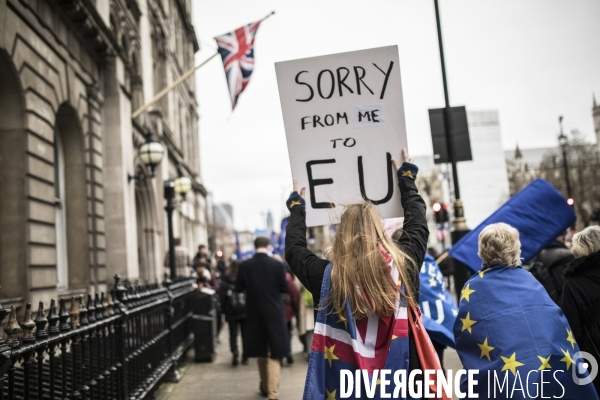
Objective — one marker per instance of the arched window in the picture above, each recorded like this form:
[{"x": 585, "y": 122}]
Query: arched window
[{"x": 60, "y": 212}]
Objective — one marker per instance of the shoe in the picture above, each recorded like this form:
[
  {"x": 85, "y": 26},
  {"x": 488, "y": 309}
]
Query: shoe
[
  {"x": 235, "y": 361},
  {"x": 290, "y": 360},
  {"x": 244, "y": 360},
  {"x": 263, "y": 392}
]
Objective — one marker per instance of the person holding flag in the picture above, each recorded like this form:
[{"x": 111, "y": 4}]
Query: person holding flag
[
  {"x": 439, "y": 308},
  {"x": 366, "y": 293},
  {"x": 509, "y": 329}
]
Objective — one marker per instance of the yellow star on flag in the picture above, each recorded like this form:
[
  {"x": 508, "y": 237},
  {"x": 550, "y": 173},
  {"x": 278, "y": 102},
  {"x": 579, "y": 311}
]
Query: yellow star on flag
[
  {"x": 567, "y": 358},
  {"x": 331, "y": 395},
  {"x": 545, "y": 363},
  {"x": 295, "y": 203},
  {"x": 481, "y": 272},
  {"x": 466, "y": 292},
  {"x": 485, "y": 349},
  {"x": 467, "y": 323},
  {"x": 409, "y": 174},
  {"x": 345, "y": 322},
  {"x": 570, "y": 338},
  {"x": 329, "y": 356},
  {"x": 432, "y": 282},
  {"x": 511, "y": 363}
]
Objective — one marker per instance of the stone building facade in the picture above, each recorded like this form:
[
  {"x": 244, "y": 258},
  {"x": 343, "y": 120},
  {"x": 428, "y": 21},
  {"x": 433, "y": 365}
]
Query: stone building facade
[{"x": 72, "y": 72}]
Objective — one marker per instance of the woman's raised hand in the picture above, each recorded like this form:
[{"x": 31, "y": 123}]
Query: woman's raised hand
[
  {"x": 405, "y": 158},
  {"x": 295, "y": 189}
]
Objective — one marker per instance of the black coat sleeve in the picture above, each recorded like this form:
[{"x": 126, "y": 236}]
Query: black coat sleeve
[
  {"x": 283, "y": 282},
  {"x": 415, "y": 231},
  {"x": 240, "y": 283},
  {"x": 573, "y": 305},
  {"x": 306, "y": 265}
]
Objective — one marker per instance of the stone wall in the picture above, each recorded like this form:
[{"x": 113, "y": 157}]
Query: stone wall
[{"x": 57, "y": 80}]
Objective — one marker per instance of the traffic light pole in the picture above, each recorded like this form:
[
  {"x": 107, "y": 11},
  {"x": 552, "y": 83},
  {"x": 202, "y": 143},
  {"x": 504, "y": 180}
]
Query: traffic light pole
[
  {"x": 459, "y": 214},
  {"x": 461, "y": 274}
]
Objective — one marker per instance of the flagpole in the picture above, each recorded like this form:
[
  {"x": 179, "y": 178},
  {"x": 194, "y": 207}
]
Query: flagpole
[
  {"x": 183, "y": 77},
  {"x": 166, "y": 90},
  {"x": 272, "y": 12}
]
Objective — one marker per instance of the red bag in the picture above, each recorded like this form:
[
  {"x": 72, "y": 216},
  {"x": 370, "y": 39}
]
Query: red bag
[{"x": 428, "y": 357}]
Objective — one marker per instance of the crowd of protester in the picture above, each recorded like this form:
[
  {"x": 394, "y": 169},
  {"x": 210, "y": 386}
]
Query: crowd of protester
[{"x": 266, "y": 302}]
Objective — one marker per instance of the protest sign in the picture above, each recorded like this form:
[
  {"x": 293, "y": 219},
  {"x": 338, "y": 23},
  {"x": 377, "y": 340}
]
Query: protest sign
[{"x": 344, "y": 122}]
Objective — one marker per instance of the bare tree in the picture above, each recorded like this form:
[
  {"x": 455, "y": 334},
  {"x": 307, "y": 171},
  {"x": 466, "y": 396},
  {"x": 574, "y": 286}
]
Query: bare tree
[{"x": 583, "y": 161}]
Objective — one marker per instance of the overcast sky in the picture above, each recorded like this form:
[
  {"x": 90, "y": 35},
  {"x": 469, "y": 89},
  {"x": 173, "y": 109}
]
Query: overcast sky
[{"x": 532, "y": 60}]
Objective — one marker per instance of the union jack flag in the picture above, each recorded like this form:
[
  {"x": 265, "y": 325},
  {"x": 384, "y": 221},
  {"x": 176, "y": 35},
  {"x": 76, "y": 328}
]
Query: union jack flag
[
  {"x": 237, "y": 52},
  {"x": 368, "y": 344}
]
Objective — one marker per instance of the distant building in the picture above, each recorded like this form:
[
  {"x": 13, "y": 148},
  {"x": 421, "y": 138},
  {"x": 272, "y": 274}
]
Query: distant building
[
  {"x": 523, "y": 166},
  {"x": 71, "y": 75},
  {"x": 221, "y": 231}
]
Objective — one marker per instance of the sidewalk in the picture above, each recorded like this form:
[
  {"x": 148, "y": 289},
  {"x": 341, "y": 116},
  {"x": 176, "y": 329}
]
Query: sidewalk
[{"x": 220, "y": 380}]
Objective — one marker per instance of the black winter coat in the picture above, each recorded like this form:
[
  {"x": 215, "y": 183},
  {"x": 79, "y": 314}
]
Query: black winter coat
[
  {"x": 310, "y": 269},
  {"x": 263, "y": 279},
  {"x": 554, "y": 259},
  {"x": 581, "y": 304},
  {"x": 227, "y": 290}
]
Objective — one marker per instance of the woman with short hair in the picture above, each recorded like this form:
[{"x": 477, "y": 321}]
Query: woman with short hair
[
  {"x": 509, "y": 328},
  {"x": 581, "y": 292}
]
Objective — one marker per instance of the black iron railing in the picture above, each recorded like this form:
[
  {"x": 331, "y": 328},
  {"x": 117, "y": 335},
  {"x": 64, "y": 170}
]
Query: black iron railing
[{"x": 113, "y": 346}]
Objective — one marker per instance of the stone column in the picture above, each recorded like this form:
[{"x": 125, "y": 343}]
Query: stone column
[{"x": 119, "y": 197}]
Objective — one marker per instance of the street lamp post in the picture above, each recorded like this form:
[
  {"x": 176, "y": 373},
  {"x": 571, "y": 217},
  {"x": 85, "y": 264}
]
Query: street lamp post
[
  {"x": 181, "y": 186},
  {"x": 151, "y": 154},
  {"x": 563, "y": 141}
]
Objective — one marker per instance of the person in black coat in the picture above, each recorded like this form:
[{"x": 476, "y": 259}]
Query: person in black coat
[
  {"x": 581, "y": 293},
  {"x": 265, "y": 336},
  {"x": 413, "y": 242},
  {"x": 233, "y": 305},
  {"x": 550, "y": 265}
]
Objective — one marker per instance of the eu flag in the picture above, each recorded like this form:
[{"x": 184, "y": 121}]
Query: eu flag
[
  {"x": 539, "y": 212},
  {"x": 518, "y": 338},
  {"x": 439, "y": 309}
]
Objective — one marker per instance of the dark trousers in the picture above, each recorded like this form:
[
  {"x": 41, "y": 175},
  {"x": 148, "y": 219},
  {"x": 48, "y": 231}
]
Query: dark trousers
[{"x": 234, "y": 328}]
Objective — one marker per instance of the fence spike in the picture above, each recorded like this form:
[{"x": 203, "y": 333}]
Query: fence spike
[
  {"x": 83, "y": 312},
  {"x": 91, "y": 309},
  {"x": 28, "y": 325},
  {"x": 53, "y": 319},
  {"x": 98, "y": 307},
  {"x": 74, "y": 313},
  {"x": 63, "y": 316},
  {"x": 40, "y": 323},
  {"x": 104, "y": 306},
  {"x": 110, "y": 305},
  {"x": 12, "y": 329}
]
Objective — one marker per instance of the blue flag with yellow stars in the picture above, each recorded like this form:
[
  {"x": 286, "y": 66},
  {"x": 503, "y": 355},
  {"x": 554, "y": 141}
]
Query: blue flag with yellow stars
[
  {"x": 510, "y": 330},
  {"x": 439, "y": 309},
  {"x": 539, "y": 212}
]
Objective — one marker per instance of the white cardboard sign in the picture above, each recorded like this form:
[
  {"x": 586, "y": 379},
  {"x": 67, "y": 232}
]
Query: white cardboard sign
[{"x": 344, "y": 121}]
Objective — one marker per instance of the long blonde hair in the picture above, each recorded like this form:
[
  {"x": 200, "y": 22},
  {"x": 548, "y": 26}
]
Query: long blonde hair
[{"x": 360, "y": 272}]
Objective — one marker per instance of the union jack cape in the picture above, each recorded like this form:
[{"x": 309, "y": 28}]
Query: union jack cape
[
  {"x": 237, "y": 52},
  {"x": 368, "y": 344}
]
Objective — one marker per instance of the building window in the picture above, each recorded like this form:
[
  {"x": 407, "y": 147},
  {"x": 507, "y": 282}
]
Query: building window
[{"x": 60, "y": 210}]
